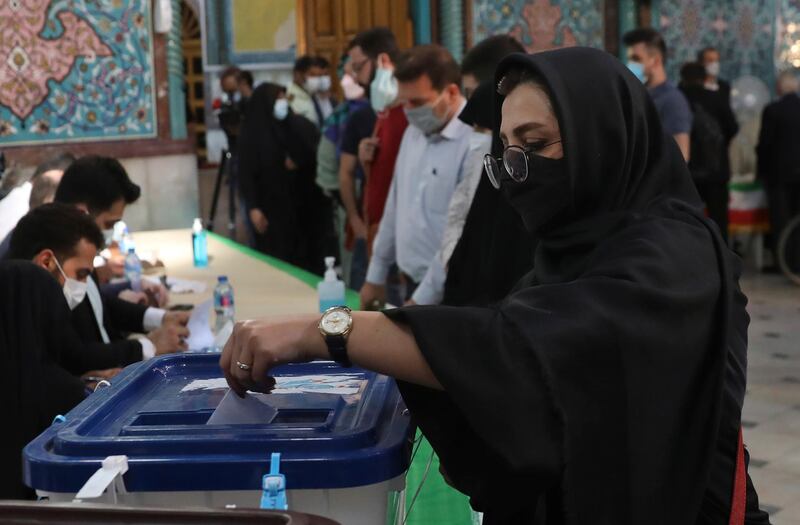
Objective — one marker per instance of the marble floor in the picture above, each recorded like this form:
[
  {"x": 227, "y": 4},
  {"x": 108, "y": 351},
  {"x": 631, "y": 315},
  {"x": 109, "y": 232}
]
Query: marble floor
[{"x": 771, "y": 417}]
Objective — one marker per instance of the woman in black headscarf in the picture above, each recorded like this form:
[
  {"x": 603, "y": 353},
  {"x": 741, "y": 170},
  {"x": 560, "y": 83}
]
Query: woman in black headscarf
[
  {"x": 277, "y": 168},
  {"x": 607, "y": 388},
  {"x": 33, "y": 387}
]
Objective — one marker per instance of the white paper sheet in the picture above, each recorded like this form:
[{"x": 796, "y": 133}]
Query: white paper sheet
[
  {"x": 337, "y": 384},
  {"x": 235, "y": 410},
  {"x": 181, "y": 286},
  {"x": 200, "y": 334}
]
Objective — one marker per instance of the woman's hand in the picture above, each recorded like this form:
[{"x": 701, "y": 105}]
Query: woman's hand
[
  {"x": 261, "y": 345},
  {"x": 259, "y": 220}
]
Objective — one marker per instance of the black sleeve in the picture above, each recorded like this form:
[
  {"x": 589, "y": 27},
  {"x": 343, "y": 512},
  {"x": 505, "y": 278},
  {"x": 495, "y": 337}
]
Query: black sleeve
[
  {"x": 67, "y": 390},
  {"x": 111, "y": 290},
  {"x": 729, "y": 124},
  {"x": 79, "y": 357},
  {"x": 248, "y": 160},
  {"x": 765, "y": 142},
  {"x": 358, "y": 127},
  {"x": 303, "y": 143},
  {"x": 122, "y": 316}
]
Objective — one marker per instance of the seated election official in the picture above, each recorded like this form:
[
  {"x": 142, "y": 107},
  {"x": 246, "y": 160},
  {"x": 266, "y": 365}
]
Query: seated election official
[
  {"x": 608, "y": 386},
  {"x": 34, "y": 388},
  {"x": 64, "y": 241}
]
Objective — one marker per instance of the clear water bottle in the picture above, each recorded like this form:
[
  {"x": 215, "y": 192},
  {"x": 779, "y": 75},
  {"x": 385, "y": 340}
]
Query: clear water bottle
[
  {"x": 199, "y": 244},
  {"x": 133, "y": 270},
  {"x": 223, "y": 302},
  {"x": 330, "y": 290}
]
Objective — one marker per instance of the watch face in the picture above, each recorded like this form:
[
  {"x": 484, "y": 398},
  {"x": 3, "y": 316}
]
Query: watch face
[{"x": 336, "y": 322}]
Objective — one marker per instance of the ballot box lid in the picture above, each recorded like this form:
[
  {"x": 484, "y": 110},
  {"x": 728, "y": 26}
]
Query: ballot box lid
[{"x": 156, "y": 413}]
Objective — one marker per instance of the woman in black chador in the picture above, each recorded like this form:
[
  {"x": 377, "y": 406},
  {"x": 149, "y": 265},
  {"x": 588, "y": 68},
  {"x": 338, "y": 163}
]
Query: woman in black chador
[
  {"x": 607, "y": 387},
  {"x": 277, "y": 170}
]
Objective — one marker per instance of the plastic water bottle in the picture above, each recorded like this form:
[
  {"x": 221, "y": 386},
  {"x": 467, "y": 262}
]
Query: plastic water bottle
[
  {"x": 199, "y": 244},
  {"x": 121, "y": 235},
  {"x": 223, "y": 302},
  {"x": 133, "y": 270},
  {"x": 331, "y": 289}
]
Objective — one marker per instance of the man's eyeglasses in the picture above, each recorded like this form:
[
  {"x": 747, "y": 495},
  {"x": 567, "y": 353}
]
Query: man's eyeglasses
[{"x": 512, "y": 165}]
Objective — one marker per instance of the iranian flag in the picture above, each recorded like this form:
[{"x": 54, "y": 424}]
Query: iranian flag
[{"x": 747, "y": 210}]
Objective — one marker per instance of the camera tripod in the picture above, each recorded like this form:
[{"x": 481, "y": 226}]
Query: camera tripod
[{"x": 222, "y": 172}]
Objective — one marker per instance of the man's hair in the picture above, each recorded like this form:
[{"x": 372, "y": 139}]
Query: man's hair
[
  {"x": 433, "y": 61},
  {"x": 321, "y": 62},
  {"x": 230, "y": 71},
  {"x": 43, "y": 188},
  {"x": 481, "y": 61},
  {"x": 246, "y": 77},
  {"x": 375, "y": 41},
  {"x": 303, "y": 64},
  {"x": 648, "y": 36},
  {"x": 701, "y": 55},
  {"x": 693, "y": 74},
  {"x": 98, "y": 182},
  {"x": 53, "y": 226}
]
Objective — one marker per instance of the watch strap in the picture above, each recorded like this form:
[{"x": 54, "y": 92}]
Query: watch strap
[{"x": 337, "y": 348}]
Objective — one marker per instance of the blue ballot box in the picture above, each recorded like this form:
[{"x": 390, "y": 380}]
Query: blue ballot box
[{"x": 343, "y": 436}]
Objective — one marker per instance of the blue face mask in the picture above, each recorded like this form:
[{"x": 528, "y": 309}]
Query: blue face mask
[
  {"x": 638, "y": 70},
  {"x": 383, "y": 89},
  {"x": 281, "y": 109}
]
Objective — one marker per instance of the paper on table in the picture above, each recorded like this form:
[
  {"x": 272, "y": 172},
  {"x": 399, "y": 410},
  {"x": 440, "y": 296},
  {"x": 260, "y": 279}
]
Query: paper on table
[
  {"x": 338, "y": 384},
  {"x": 200, "y": 335},
  {"x": 181, "y": 286},
  {"x": 235, "y": 410}
]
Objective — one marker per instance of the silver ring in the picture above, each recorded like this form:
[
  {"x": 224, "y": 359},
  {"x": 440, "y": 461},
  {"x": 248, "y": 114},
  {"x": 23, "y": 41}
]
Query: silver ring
[{"x": 243, "y": 366}]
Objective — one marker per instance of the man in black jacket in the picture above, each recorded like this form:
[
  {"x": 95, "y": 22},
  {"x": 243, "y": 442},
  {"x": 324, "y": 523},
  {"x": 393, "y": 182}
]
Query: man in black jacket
[
  {"x": 779, "y": 155},
  {"x": 100, "y": 186},
  {"x": 713, "y": 127},
  {"x": 709, "y": 58},
  {"x": 64, "y": 241}
]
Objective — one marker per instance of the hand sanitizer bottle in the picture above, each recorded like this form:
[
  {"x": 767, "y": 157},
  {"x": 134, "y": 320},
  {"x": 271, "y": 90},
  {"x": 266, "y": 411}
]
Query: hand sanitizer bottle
[
  {"x": 199, "y": 244},
  {"x": 331, "y": 289}
]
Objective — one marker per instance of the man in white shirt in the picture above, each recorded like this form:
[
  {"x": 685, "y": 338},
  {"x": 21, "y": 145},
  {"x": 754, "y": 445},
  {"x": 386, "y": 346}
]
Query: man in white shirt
[
  {"x": 308, "y": 93},
  {"x": 429, "y": 165}
]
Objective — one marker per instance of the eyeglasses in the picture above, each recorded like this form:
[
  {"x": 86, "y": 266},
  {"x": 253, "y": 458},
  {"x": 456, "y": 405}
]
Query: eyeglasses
[{"x": 514, "y": 164}]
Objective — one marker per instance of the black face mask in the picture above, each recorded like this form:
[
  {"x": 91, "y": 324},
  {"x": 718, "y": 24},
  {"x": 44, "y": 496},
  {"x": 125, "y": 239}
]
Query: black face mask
[{"x": 545, "y": 198}]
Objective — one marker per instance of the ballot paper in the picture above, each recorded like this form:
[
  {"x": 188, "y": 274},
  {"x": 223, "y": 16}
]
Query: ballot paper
[
  {"x": 248, "y": 410},
  {"x": 182, "y": 286},
  {"x": 336, "y": 384},
  {"x": 200, "y": 334}
]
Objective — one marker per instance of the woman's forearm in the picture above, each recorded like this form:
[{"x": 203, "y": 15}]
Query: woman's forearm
[{"x": 378, "y": 344}]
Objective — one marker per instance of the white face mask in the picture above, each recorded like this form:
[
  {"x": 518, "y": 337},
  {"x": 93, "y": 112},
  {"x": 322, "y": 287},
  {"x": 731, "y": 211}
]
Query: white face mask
[
  {"x": 324, "y": 83},
  {"x": 74, "y": 290},
  {"x": 352, "y": 90},
  {"x": 712, "y": 68},
  {"x": 281, "y": 108},
  {"x": 108, "y": 236},
  {"x": 383, "y": 89},
  {"x": 317, "y": 84}
]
